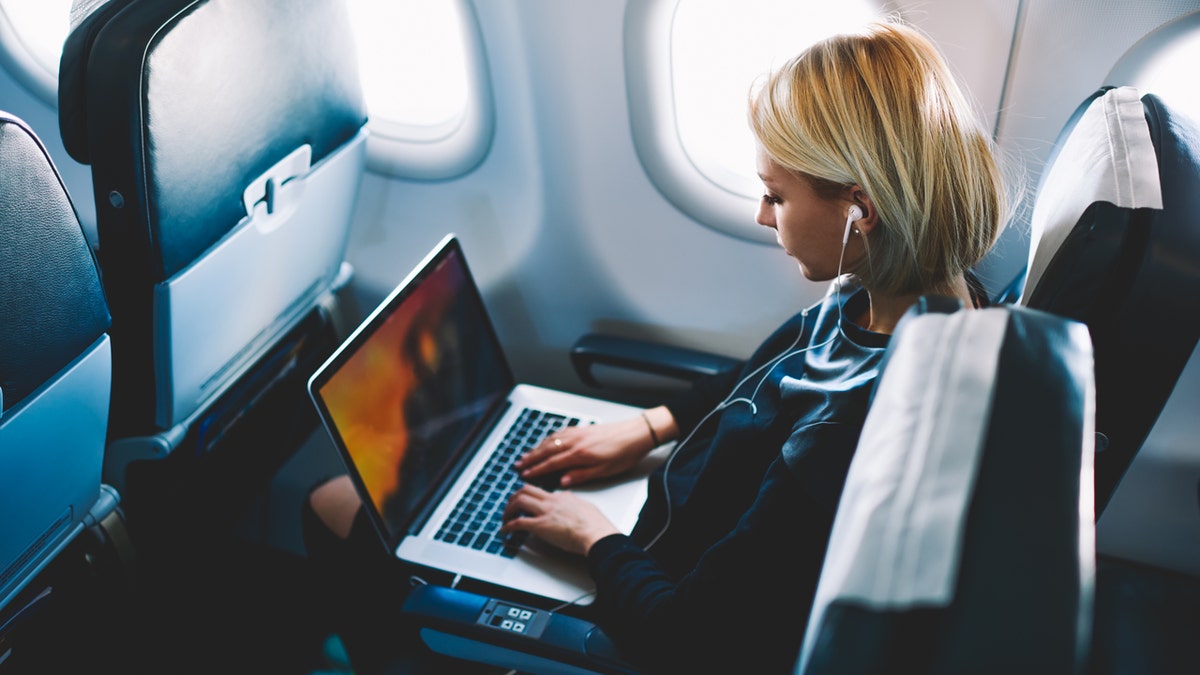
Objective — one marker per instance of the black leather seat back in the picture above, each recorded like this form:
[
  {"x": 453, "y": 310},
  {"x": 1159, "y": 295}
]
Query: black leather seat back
[{"x": 226, "y": 145}]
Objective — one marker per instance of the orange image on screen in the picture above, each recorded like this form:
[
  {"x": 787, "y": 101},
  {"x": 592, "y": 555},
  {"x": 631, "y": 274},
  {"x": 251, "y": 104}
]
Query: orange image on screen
[{"x": 371, "y": 393}]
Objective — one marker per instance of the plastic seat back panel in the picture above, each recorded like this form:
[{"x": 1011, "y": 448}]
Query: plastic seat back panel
[
  {"x": 261, "y": 279},
  {"x": 51, "y": 454}
]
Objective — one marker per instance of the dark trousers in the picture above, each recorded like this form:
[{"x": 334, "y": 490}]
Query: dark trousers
[{"x": 360, "y": 587}]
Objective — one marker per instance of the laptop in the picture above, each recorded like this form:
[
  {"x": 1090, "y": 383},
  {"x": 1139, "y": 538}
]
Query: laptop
[{"x": 423, "y": 408}]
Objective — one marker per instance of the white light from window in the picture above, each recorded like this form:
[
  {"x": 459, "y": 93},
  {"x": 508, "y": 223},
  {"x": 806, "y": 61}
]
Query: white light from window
[
  {"x": 718, "y": 50},
  {"x": 412, "y": 61},
  {"x": 42, "y": 27}
]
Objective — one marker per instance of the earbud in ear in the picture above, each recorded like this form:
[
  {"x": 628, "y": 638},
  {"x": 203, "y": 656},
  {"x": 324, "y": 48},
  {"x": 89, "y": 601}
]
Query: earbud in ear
[{"x": 855, "y": 213}]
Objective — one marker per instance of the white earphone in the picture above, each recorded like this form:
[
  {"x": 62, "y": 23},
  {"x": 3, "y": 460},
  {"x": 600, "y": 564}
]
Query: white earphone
[{"x": 855, "y": 213}]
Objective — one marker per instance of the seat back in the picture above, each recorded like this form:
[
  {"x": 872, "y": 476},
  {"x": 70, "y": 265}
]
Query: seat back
[
  {"x": 948, "y": 554},
  {"x": 55, "y": 366},
  {"x": 227, "y": 142},
  {"x": 1116, "y": 245}
]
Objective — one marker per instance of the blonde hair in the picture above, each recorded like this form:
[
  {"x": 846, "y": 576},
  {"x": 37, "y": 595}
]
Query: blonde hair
[{"x": 881, "y": 109}]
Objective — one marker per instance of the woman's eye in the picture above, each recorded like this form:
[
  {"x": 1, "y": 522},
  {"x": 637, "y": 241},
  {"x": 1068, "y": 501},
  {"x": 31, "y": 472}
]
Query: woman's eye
[{"x": 771, "y": 200}]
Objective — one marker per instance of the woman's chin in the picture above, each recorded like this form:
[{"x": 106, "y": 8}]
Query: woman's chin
[{"x": 814, "y": 275}]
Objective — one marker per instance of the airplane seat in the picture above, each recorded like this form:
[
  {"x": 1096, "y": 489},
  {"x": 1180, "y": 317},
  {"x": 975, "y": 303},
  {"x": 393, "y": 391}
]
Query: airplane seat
[
  {"x": 61, "y": 523},
  {"x": 1115, "y": 244},
  {"x": 1142, "y": 253},
  {"x": 1000, "y": 581},
  {"x": 947, "y": 553},
  {"x": 226, "y": 140}
]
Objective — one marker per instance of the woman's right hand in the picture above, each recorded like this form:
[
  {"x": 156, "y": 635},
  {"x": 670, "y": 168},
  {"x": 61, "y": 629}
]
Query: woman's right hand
[{"x": 591, "y": 452}]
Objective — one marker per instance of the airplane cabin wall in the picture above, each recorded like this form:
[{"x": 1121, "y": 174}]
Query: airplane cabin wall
[
  {"x": 564, "y": 229},
  {"x": 567, "y": 234},
  {"x": 560, "y": 223}
]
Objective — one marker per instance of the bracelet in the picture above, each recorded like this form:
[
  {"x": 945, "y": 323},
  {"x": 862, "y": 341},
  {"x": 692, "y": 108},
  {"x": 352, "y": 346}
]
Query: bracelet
[{"x": 653, "y": 436}]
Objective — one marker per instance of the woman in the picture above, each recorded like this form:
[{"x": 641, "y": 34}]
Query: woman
[{"x": 876, "y": 174}]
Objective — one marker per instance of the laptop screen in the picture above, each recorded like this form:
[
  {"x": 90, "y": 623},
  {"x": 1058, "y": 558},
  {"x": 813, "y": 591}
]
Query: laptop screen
[{"x": 406, "y": 392}]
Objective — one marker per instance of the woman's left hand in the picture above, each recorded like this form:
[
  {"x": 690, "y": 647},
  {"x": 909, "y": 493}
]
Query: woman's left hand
[{"x": 560, "y": 518}]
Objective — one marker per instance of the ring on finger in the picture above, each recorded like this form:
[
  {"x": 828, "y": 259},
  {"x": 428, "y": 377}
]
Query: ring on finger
[{"x": 558, "y": 443}]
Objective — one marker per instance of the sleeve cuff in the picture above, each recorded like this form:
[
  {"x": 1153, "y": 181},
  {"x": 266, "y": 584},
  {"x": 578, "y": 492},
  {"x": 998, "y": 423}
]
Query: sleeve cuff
[{"x": 604, "y": 549}]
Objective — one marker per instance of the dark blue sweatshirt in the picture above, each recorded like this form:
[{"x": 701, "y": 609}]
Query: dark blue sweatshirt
[{"x": 737, "y": 521}]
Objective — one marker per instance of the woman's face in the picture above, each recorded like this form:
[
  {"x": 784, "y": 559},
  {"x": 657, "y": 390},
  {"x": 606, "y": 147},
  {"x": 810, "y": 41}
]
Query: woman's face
[{"x": 808, "y": 227}]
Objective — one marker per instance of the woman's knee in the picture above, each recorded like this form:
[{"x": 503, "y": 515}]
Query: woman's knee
[{"x": 335, "y": 503}]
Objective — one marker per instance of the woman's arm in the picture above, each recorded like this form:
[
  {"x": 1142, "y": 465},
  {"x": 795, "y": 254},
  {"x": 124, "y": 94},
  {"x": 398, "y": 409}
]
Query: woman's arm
[
  {"x": 742, "y": 608},
  {"x": 586, "y": 453}
]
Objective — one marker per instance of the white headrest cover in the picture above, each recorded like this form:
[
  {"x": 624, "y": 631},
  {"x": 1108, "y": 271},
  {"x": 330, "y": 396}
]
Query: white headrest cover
[
  {"x": 1108, "y": 157},
  {"x": 897, "y": 534}
]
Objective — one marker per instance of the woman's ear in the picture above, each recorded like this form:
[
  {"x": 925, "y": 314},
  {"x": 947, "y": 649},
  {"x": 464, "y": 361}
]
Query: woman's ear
[{"x": 870, "y": 217}]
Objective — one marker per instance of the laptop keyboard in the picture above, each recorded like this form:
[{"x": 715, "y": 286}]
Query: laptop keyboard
[{"x": 476, "y": 519}]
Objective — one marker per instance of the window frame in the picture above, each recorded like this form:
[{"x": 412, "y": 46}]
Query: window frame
[
  {"x": 18, "y": 61},
  {"x": 647, "y": 34},
  {"x": 656, "y": 138},
  {"x": 448, "y": 150},
  {"x": 394, "y": 149}
]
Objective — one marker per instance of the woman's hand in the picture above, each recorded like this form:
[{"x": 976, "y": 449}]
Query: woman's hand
[
  {"x": 561, "y": 518},
  {"x": 586, "y": 453}
]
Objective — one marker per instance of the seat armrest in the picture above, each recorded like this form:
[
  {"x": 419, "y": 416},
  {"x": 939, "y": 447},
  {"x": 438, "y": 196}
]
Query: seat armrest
[
  {"x": 489, "y": 630},
  {"x": 645, "y": 356}
]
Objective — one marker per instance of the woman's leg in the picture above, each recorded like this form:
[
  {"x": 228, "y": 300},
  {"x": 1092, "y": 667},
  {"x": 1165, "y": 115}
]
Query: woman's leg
[
  {"x": 358, "y": 586},
  {"x": 361, "y": 587}
]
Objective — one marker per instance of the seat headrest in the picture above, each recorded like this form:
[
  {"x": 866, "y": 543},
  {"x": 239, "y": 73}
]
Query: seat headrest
[
  {"x": 51, "y": 300},
  {"x": 225, "y": 89},
  {"x": 1104, "y": 154},
  {"x": 87, "y": 18}
]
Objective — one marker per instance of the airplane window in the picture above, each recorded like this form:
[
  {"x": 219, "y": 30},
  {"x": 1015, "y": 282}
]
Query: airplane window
[
  {"x": 690, "y": 64},
  {"x": 429, "y": 120},
  {"x": 412, "y": 32},
  {"x": 718, "y": 49},
  {"x": 424, "y": 78},
  {"x": 31, "y": 40}
]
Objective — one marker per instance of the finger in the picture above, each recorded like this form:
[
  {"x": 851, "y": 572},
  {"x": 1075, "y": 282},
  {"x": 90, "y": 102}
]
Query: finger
[
  {"x": 550, "y": 446},
  {"x": 531, "y": 457},
  {"x": 550, "y": 465},
  {"x": 524, "y": 500},
  {"x": 512, "y": 511},
  {"x": 580, "y": 475},
  {"x": 518, "y": 524},
  {"x": 533, "y": 491}
]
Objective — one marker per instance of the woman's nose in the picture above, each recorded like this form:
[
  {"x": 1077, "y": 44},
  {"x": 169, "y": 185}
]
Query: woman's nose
[{"x": 763, "y": 216}]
